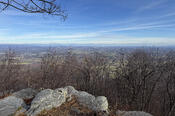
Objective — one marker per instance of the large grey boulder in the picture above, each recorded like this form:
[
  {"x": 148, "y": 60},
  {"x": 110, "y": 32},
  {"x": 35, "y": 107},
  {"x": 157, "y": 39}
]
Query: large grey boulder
[
  {"x": 101, "y": 103},
  {"x": 10, "y": 105},
  {"x": 94, "y": 103},
  {"x": 46, "y": 100},
  {"x": 132, "y": 113},
  {"x": 25, "y": 93},
  {"x": 86, "y": 99}
]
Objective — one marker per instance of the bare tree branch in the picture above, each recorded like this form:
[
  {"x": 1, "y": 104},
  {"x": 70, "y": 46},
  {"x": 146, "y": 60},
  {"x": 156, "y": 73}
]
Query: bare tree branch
[{"x": 50, "y": 7}]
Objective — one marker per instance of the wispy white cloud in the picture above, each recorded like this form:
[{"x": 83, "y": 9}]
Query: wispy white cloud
[
  {"x": 49, "y": 36},
  {"x": 3, "y": 31},
  {"x": 168, "y": 15},
  {"x": 137, "y": 27},
  {"x": 150, "y": 6},
  {"x": 98, "y": 39},
  {"x": 77, "y": 35},
  {"x": 48, "y": 31}
]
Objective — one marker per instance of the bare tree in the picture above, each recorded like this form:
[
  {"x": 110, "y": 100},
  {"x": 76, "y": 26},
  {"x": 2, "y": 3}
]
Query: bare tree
[
  {"x": 50, "y": 7},
  {"x": 95, "y": 72},
  {"x": 51, "y": 70},
  {"x": 9, "y": 71},
  {"x": 139, "y": 80},
  {"x": 168, "y": 106},
  {"x": 56, "y": 70},
  {"x": 137, "y": 76}
]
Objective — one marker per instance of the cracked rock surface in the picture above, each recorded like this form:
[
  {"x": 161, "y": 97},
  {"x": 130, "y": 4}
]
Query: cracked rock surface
[
  {"x": 10, "y": 105},
  {"x": 46, "y": 100}
]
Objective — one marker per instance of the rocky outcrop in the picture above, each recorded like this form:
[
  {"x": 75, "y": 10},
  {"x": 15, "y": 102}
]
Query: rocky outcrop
[
  {"x": 31, "y": 103},
  {"x": 46, "y": 100},
  {"x": 94, "y": 103},
  {"x": 10, "y": 105},
  {"x": 132, "y": 113}
]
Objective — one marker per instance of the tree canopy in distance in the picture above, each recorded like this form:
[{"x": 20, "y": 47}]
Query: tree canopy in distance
[{"x": 50, "y": 7}]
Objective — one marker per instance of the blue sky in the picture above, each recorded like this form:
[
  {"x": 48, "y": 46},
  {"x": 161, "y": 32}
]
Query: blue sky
[{"x": 120, "y": 22}]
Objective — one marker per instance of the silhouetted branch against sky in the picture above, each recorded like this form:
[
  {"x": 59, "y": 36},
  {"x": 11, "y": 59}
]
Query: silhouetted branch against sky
[{"x": 49, "y": 7}]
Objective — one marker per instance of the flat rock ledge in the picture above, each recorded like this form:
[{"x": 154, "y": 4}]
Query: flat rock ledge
[{"x": 31, "y": 103}]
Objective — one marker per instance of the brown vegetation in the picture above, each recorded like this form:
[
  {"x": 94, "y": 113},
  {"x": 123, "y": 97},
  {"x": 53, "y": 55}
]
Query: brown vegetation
[
  {"x": 67, "y": 109},
  {"x": 141, "y": 80},
  {"x": 71, "y": 108}
]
